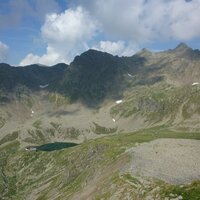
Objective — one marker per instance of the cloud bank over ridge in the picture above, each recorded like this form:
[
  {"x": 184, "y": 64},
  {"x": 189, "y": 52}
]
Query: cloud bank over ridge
[{"x": 118, "y": 27}]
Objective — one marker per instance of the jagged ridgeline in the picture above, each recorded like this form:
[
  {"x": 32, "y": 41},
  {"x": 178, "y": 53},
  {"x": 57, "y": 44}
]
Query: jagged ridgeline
[
  {"x": 32, "y": 76},
  {"x": 73, "y": 131},
  {"x": 154, "y": 86},
  {"x": 94, "y": 75}
]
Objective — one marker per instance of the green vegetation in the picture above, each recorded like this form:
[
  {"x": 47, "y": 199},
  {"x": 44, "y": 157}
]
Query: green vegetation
[
  {"x": 2, "y": 122},
  {"x": 188, "y": 192},
  {"x": 37, "y": 136},
  {"x": 58, "y": 172},
  {"x": 50, "y": 131},
  {"x": 164, "y": 190},
  {"x": 159, "y": 102},
  {"x": 130, "y": 178},
  {"x": 58, "y": 99},
  {"x": 67, "y": 171},
  {"x": 192, "y": 106},
  {"x": 103, "y": 130},
  {"x": 9, "y": 137},
  {"x": 125, "y": 109},
  {"x": 3, "y": 97},
  {"x": 71, "y": 132},
  {"x": 23, "y": 94},
  {"x": 41, "y": 135},
  {"x": 55, "y": 125},
  {"x": 37, "y": 124},
  {"x": 7, "y": 182}
]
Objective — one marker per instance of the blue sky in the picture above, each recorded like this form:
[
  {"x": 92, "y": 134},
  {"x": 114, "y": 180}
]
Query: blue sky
[{"x": 52, "y": 31}]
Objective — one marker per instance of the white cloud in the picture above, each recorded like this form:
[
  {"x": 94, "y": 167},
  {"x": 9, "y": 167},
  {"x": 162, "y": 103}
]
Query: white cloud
[
  {"x": 72, "y": 26},
  {"x": 3, "y": 52},
  {"x": 185, "y": 23},
  {"x": 144, "y": 21},
  {"x": 122, "y": 27},
  {"x": 50, "y": 58},
  {"x": 29, "y": 59},
  {"x": 116, "y": 48},
  {"x": 66, "y": 35}
]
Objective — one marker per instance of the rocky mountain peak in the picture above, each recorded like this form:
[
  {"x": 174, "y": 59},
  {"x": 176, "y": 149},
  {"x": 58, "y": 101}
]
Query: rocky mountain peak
[
  {"x": 144, "y": 52},
  {"x": 182, "y": 47}
]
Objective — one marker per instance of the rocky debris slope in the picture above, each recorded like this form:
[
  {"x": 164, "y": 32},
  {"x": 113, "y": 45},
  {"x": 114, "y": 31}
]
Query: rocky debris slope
[{"x": 175, "y": 161}]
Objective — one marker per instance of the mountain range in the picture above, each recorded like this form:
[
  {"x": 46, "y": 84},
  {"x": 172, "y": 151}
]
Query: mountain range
[
  {"x": 96, "y": 95},
  {"x": 154, "y": 88}
]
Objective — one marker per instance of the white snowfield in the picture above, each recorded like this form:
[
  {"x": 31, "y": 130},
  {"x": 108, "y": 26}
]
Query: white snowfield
[
  {"x": 130, "y": 75},
  {"x": 195, "y": 83},
  {"x": 32, "y": 112},
  {"x": 119, "y": 101},
  {"x": 44, "y": 86}
]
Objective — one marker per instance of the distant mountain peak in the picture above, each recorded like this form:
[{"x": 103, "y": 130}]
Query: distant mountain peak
[
  {"x": 144, "y": 52},
  {"x": 94, "y": 52},
  {"x": 182, "y": 47},
  {"x": 91, "y": 55}
]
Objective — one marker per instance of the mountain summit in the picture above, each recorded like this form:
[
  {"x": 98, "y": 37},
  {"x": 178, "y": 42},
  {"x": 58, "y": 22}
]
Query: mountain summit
[
  {"x": 182, "y": 47},
  {"x": 92, "y": 76}
]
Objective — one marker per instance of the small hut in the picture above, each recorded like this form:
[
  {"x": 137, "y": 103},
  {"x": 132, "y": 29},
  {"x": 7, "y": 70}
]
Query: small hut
[{"x": 31, "y": 148}]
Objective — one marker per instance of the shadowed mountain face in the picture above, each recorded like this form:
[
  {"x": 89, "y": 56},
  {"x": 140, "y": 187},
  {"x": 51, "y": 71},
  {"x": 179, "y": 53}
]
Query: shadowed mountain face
[
  {"x": 94, "y": 75},
  {"x": 31, "y": 76}
]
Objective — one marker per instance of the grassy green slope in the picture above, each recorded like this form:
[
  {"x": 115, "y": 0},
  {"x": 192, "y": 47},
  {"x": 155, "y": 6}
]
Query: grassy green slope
[
  {"x": 60, "y": 174},
  {"x": 160, "y": 103}
]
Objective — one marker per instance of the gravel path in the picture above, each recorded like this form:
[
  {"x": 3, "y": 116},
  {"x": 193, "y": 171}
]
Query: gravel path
[{"x": 176, "y": 161}]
